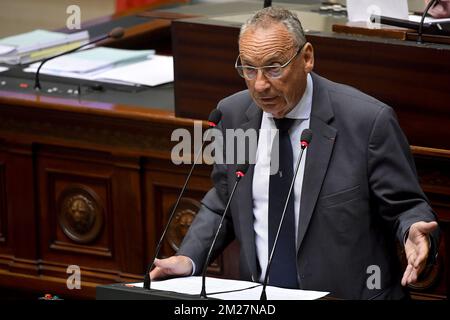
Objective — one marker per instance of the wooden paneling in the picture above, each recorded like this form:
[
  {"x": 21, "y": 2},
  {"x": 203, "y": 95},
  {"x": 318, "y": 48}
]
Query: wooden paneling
[
  {"x": 412, "y": 79},
  {"x": 19, "y": 184},
  {"x": 63, "y": 163},
  {"x": 163, "y": 183},
  {"x": 76, "y": 206},
  {"x": 204, "y": 57}
]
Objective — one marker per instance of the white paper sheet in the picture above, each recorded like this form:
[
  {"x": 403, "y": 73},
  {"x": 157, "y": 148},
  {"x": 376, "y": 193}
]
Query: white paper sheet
[
  {"x": 4, "y": 49},
  {"x": 272, "y": 293},
  {"x": 219, "y": 289},
  {"x": 360, "y": 10},
  {"x": 86, "y": 61},
  {"x": 152, "y": 72}
]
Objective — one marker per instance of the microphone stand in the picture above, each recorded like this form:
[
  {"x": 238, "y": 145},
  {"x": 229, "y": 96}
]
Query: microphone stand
[
  {"x": 267, "y": 3},
  {"x": 147, "y": 279},
  {"x": 115, "y": 33},
  {"x": 240, "y": 172},
  {"x": 430, "y": 4}
]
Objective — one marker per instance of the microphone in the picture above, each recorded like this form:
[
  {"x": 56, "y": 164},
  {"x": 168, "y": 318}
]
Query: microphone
[
  {"x": 305, "y": 140},
  {"x": 240, "y": 172},
  {"x": 213, "y": 120},
  {"x": 115, "y": 33},
  {"x": 430, "y": 4},
  {"x": 267, "y": 3}
]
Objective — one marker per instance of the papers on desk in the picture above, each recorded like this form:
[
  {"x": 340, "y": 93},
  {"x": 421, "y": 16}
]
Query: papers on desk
[
  {"x": 38, "y": 44},
  {"x": 225, "y": 289},
  {"x": 128, "y": 67},
  {"x": 152, "y": 72},
  {"x": 92, "y": 60}
]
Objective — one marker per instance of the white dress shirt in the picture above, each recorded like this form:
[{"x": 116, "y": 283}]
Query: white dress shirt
[{"x": 301, "y": 113}]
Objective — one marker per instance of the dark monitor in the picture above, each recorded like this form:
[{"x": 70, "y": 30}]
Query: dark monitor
[{"x": 436, "y": 28}]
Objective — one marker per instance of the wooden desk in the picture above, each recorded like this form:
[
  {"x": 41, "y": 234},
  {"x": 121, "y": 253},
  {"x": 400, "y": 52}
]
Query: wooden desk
[{"x": 62, "y": 159}]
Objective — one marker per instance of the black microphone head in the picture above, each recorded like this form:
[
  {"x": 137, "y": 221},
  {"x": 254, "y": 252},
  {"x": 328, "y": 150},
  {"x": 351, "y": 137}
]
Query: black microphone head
[
  {"x": 241, "y": 169},
  {"x": 305, "y": 138},
  {"x": 116, "y": 33},
  {"x": 267, "y": 3},
  {"x": 214, "y": 117}
]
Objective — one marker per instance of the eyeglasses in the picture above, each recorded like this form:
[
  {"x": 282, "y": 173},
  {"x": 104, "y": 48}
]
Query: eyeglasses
[{"x": 271, "y": 72}]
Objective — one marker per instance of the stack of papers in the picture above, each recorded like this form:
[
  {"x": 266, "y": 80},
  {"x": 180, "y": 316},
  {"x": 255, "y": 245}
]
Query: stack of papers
[
  {"x": 226, "y": 289},
  {"x": 90, "y": 61},
  {"x": 128, "y": 67},
  {"x": 38, "y": 44},
  {"x": 151, "y": 72}
]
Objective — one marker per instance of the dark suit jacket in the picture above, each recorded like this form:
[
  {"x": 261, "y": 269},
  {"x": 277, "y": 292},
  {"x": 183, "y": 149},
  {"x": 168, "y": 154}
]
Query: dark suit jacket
[{"x": 360, "y": 193}]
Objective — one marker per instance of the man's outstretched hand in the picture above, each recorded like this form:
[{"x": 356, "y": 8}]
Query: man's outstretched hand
[
  {"x": 175, "y": 266},
  {"x": 417, "y": 250}
]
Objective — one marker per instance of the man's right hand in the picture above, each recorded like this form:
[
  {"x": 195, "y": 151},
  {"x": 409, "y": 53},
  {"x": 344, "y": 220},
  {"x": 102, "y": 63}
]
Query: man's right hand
[{"x": 177, "y": 266}]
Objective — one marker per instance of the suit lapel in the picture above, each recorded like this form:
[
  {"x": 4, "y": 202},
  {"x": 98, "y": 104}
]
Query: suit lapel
[
  {"x": 318, "y": 154},
  {"x": 244, "y": 190}
]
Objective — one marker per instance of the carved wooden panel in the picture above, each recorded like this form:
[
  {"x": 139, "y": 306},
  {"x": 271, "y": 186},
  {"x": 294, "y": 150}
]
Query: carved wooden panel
[
  {"x": 163, "y": 182},
  {"x": 183, "y": 216},
  {"x": 77, "y": 205},
  {"x": 162, "y": 187},
  {"x": 18, "y": 252},
  {"x": 76, "y": 217}
]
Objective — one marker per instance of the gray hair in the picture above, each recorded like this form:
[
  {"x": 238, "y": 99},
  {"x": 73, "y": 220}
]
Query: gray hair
[{"x": 269, "y": 15}]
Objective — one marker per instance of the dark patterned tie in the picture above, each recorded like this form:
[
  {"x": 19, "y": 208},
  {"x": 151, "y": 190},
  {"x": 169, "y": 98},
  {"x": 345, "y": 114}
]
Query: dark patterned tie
[{"x": 283, "y": 270}]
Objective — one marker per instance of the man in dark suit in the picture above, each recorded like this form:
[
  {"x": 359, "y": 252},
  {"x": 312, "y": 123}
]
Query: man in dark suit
[{"x": 355, "y": 194}]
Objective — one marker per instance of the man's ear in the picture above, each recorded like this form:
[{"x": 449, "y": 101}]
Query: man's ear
[{"x": 308, "y": 57}]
